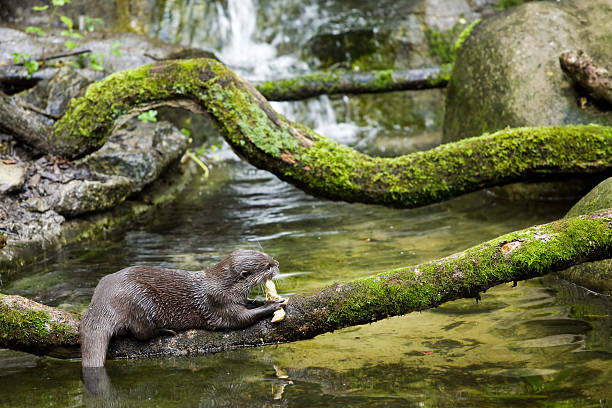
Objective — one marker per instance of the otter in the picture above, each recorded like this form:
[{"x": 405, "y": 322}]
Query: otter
[{"x": 149, "y": 301}]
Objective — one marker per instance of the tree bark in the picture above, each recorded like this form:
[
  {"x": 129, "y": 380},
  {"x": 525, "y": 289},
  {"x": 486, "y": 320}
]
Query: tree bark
[
  {"x": 594, "y": 79},
  {"x": 27, "y": 125},
  {"x": 306, "y": 86},
  {"x": 516, "y": 256},
  {"x": 318, "y": 165}
]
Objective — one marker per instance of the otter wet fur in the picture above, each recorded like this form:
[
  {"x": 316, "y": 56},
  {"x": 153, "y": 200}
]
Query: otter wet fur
[{"x": 148, "y": 301}]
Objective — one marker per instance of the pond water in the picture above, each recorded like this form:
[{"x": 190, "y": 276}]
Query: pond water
[{"x": 542, "y": 343}]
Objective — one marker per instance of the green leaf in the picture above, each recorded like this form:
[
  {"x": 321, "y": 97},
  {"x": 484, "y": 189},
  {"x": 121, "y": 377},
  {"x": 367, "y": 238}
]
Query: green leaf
[
  {"x": 17, "y": 56},
  {"x": 148, "y": 116},
  {"x": 59, "y": 3},
  {"x": 186, "y": 132},
  {"x": 115, "y": 48},
  {"x": 34, "y": 30},
  {"x": 40, "y": 8},
  {"x": 71, "y": 45},
  {"x": 90, "y": 23},
  {"x": 32, "y": 67},
  {"x": 97, "y": 61},
  {"x": 67, "y": 21}
]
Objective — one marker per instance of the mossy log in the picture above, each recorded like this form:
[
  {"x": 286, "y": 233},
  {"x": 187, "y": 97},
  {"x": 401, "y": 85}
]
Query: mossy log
[
  {"x": 37, "y": 329},
  {"x": 329, "y": 83},
  {"x": 516, "y": 256},
  {"x": 317, "y": 164}
]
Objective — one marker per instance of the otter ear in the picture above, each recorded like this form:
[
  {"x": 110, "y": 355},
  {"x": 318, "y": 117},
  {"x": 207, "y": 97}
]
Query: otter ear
[{"x": 245, "y": 273}]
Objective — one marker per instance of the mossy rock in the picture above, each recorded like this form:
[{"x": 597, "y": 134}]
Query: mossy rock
[
  {"x": 596, "y": 276},
  {"x": 507, "y": 72},
  {"x": 598, "y": 198}
]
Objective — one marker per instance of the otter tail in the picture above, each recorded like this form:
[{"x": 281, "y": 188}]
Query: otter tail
[{"x": 95, "y": 336}]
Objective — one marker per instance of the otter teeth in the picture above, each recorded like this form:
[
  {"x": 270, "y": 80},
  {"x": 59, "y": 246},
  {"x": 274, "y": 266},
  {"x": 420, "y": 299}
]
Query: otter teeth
[{"x": 271, "y": 294}]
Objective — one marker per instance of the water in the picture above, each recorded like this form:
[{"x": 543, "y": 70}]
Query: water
[{"x": 541, "y": 343}]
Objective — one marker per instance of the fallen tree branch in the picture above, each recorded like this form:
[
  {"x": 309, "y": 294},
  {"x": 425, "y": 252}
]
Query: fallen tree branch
[
  {"x": 318, "y": 165},
  {"x": 596, "y": 80},
  {"x": 516, "y": 256},
  {"x": 306, "y": 86},
  {"x": 48, "y": 58},
  {"x": 28, "y": 125}
]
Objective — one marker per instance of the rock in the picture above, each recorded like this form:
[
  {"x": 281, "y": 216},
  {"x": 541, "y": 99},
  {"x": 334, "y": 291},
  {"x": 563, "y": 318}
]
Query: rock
[
  {"x": 596, "y": 276},
  {"x": 12, "y": 177},
  {"x": 142, "y": 50},
  {"x": 139, "y": 153},
  {"x": 507, "y": 72},
  {"x": 52, "y": 95},
  {"x": 598, "y": 198},
  {"x": 37, "y": 204},
  {"x": 395, "y": 39},
  {"x": 82, "y": 196}
]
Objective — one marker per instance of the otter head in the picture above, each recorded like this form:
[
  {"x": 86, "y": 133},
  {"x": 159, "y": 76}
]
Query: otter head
[{"x": 244, "y": 269}]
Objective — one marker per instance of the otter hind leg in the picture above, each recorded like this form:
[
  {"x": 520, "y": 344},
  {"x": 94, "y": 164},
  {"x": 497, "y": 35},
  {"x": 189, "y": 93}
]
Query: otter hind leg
[
  {"x": 145, "y": 331},
  {"x": 94, "y": 344},
  {"x": 142, "y": 329}
]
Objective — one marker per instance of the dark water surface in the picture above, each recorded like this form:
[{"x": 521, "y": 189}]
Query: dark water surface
[{"x": 542, "y": 343}]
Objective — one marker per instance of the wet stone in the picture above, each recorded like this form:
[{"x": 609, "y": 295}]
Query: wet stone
[
  {"x": 82, "y": 196},
  {"x": 12, "y": 177},
  {"x": 140, "y": 152},
  {"x": 52, "y": 95}
]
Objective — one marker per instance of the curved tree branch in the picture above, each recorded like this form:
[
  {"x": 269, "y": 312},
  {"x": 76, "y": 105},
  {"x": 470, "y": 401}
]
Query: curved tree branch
[
  {"x": 315, "y": 163},
  {"x": 516, "y": 256}
]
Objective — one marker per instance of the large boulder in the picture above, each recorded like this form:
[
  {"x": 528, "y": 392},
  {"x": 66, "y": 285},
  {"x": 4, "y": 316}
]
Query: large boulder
[
  {"x": 507, "y": 72},
  {"x": 596, "y": 276}
]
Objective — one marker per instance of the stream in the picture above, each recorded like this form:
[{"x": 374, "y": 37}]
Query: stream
[{"x": 541, "y": 343}]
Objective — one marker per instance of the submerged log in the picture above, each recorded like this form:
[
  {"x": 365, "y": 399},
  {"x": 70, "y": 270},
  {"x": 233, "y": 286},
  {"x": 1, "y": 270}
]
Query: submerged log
[
  {"x": 329, "y": 83},
  {"x": 316, "y": 164},
  {"x": 516, "y": 256}
]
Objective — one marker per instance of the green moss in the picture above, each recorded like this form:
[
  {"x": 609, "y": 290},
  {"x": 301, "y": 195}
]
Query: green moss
[
  {"x": 600, "y": 197},
  {"x": 325, "y": 81},
  {"x": 506, "y": 4},
  {"x": 465, "y": 33},
  {"x": 441, "y": 172},
  {"x": 383, "y": 79},
  {"x": 23, "y": 326},
  {"x": 443, "y": 77},
  {"x": 441, "y": 43},
  {"x": 33, "y": 329},
  {"x": 542, "y": 249}
]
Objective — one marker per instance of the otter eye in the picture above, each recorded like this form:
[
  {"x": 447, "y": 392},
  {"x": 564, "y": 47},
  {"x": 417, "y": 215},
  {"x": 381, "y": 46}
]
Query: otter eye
[{"x": 245, "y": 273}]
